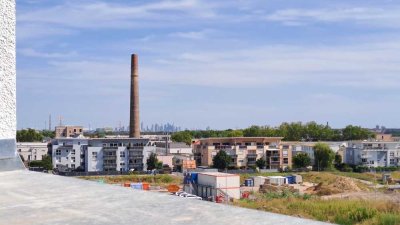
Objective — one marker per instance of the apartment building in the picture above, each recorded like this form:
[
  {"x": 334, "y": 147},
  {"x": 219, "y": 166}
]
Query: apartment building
[
  {"x": 31, "y": 151},
  {"x": 68, "y": 131},
  {"x": 69, "y": 153},
  {"x": 308, "y": 148},
  {"x": 102, "y": 154},
  {"x": 244, "y": 151},
  {"x": 173, "y": 148},
  {"x": 373, "y": 154}
]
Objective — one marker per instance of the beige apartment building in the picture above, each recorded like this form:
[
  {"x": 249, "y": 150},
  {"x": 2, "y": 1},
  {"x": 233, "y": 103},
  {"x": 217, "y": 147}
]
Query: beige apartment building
[
  {"x": 244, "y": 151},
  {"x": 68, "y": 131}
]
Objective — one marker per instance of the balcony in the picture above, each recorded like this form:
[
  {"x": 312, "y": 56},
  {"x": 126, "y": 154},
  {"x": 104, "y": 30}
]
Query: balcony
[
  {"x": 275, "y": 163},
  {"x": 110, "y": 166},
  {"x": 109, "y": 157},
  {"x": 242, "y": 147},
  {"x": 109, "y": 148},
  {"x": 223, "y": 147},
  {"x": 251, "y": 163},
  {"x": 135, "y": 148},
  {"x": 251, "y": 155},
  {"x": 135, "y": 157},
  {"x": 260, "y": 146}
]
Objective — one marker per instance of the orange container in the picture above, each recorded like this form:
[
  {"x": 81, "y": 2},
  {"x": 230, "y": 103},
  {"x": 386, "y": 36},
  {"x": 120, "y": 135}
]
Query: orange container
[
  {"x": 146, "y": 186},
  {"x": 127, "y": 185},
  {"x": 173, "y": 188}
]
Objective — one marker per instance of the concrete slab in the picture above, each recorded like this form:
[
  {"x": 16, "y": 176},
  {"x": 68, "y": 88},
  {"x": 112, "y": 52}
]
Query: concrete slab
[{"x": 37, "y": 199}]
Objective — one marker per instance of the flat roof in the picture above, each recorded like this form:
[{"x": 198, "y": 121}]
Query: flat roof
[
  {"x": 34, "y": 198},
  {"x": 233, "y": 138},
  {"x": 219, "y": 174}
]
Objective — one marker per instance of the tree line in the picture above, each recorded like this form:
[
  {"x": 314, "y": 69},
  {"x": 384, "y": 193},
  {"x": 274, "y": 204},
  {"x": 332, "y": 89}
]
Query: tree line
[
  {"x": 32, "y": 135},
  {"x": 296, "y": 131}
]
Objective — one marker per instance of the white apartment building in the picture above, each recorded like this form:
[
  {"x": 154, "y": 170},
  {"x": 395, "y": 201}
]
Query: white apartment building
[
  {"x": 69, "y": 152},
  {"x": 373, "y": 154},
  {"x": 32, "y": 151},
  {"x": 117, "y": 154},
  {"x": 308, "y": 148},
  {"x": 102, "y": 154}
]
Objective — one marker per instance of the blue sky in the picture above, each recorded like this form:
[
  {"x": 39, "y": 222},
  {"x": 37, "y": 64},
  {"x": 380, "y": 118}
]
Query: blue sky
[{"x": 223, "y": 64}]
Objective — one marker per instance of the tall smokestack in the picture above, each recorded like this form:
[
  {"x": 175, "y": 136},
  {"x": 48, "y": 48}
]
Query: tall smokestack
[{"x": 134, "y": 130}]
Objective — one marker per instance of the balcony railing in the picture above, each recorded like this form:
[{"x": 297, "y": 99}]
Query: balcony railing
[
  {"x": 110, "y": 165},
  {"x": 109, "y": 157},
  {"x": 110, "y": 148},
  {"x": 223, "y": 147},
  {"x": 273, "y": 147},
  {"x": 251, "y": 155}
]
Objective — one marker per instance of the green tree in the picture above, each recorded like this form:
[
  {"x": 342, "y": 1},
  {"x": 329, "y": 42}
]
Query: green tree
[
  {"x": 183, "y": 136},
  {"x": 221, "y": 160},
  {"x": 46, "y": 163},
  {"x": 153, "y": 163},
  {"x": 261, "y": 163},
  {"x": 29, "y": 135},
  {"x": 48, "y": 133},
  {"x": 324, "y": 156},
  {"x": 356, "y": 133},
  {"x": 301, "y": 160}
]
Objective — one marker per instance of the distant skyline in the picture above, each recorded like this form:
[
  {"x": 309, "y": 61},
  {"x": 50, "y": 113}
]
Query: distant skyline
[{"x": 219, "y": 64}]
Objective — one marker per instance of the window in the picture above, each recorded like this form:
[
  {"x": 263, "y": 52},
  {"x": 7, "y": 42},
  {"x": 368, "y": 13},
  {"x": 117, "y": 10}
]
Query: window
[
  {"x": 122, "y": 154},
  {"x": 73, "y": 151},
  {"x": 58, "y": 152},
  {"x": 392, "y": 154},
  {"x": 79, "y": 143},
  {"x": 73, "y": 159},
  {"x": 73, "y": 166},
  {"x": 285, "y": 160},
  {"x": 94, "y": 155},
  {"x": 285, "y": 153},
  {"x": 58, "y": 159},
  {"x": 104, "y": 145},
  {"x": 371, "y": 162},
  {"x": 122, "y": 164}
]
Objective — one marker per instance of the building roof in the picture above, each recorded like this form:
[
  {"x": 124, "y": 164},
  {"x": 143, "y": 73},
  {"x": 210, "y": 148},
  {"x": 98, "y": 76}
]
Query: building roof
[
  {"x": 35, "y": 198},
  {"x": 219, "y": 174},
  {"x": 240, "y": 138}
]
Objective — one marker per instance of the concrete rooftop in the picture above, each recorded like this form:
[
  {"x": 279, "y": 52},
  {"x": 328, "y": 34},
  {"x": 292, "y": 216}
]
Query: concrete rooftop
[{"x": 37, "y": 199}]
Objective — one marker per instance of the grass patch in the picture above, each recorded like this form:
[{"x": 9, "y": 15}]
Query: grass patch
[
  {"x": 160, "y": 179},
  {"x": 338, "y": 211}
]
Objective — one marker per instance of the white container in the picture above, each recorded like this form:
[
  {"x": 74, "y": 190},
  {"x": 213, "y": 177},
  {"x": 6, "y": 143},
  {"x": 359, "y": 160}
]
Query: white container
[
  {"x": 220, "y": 182},
  {"x": 278, "y": 180}
]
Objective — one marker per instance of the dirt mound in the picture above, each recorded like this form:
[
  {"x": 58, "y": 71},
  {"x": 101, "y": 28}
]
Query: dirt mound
[
  {"x": 341, "y": 185},
  {"x": 345, "y": 184}
]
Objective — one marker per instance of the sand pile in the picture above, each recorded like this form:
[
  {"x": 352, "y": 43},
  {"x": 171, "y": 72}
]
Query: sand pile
[{"x": 341, "y": 185}]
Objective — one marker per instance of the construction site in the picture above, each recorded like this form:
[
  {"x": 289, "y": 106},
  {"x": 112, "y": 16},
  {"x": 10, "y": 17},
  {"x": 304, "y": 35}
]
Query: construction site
[{"x": 342, "y": 198}]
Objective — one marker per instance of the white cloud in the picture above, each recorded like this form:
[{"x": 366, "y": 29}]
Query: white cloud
[
  {"x": 384, "y": 17},
  {"x": 363, "y": 65},
  {"x": 29, "y": 52},
  {"x": 195, "y": 35},
  {"x": 103, "y": 14}
]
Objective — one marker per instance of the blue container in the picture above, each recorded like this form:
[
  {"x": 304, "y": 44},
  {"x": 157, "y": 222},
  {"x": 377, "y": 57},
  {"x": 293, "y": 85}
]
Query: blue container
[
  {"x": 249, "y": 183},
  {"x": 194, "y": 177},
  {"x": 291, "y": 179},
  {"x": 137, "y": 186}
]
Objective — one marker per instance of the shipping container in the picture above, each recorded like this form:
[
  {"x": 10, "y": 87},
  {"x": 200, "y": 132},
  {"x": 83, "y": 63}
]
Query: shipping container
[{"x": 216, "y": 184}]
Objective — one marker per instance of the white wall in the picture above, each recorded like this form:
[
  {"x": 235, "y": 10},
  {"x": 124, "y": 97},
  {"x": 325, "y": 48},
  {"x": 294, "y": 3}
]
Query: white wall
[{"x": 8, "y": 120}]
